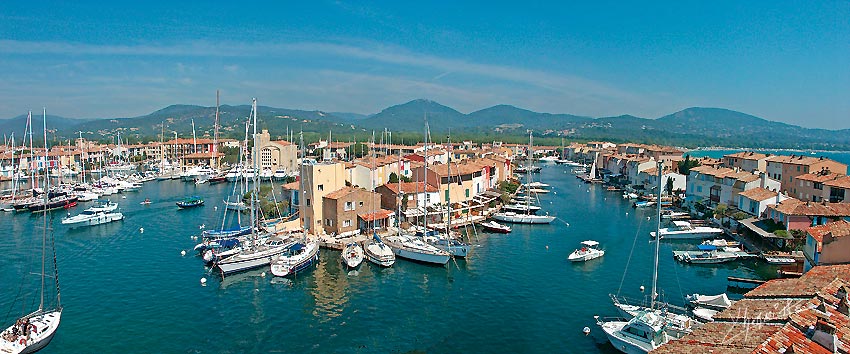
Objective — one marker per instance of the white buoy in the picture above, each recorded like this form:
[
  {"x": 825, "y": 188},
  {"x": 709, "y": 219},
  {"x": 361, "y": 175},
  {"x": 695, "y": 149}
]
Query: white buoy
[
  {"x": 203, "y": 281},
  {"x": 647, "y": 218},
  {"x": 263, "y": 274},
  {"x": 203, "y": 226},
  {"x": 215, "y": 207},
  {"x": 568, "y": 224},
  {"x": 183, "y": 252},
  {"x": 141, "y": 230},
  {"x": 586, "y": 330},
  {"x": 627, "y": 213},
  {"x": 547, "y": 247},
  {"x": 642, "y": 288}
]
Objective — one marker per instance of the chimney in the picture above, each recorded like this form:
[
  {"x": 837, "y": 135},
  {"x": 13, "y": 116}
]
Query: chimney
[
  {"x": 763, "y": 177},
  {"x": 778, "y": 199}
]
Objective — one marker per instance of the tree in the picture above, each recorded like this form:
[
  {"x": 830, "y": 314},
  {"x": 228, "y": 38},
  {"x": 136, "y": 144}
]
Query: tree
[
  {"x": 669, "y": 187},
  {"x": 687, "y": 164}
]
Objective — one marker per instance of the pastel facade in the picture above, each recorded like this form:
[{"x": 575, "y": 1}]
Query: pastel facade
[{"x": 827, "y": 244}]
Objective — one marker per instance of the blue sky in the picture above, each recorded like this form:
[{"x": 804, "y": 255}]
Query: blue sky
[{"x": 783, "y": 61}]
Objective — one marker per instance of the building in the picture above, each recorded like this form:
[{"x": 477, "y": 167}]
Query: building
[
  {"x": 649, "y": 179},
  {"x": 810, "y": 186},
  {"x": 786, "y": 168},
  {"x": 756, "y": 200},
  {"x": 369, "y": 172},
  {"x": 746, "y": 161},
  {"x": 838, "y": 190},
  {"x": 803, "y": 315},
  {"x": 799, "y": 215},
  {"x": 320, "y": 179},
  {"x": 827, "y": 244},
  {"x": 341, "y": 210},
  {"x": 408, "y": 194},
  {"x": 276, "y": 154},
  {"x": 716, "y": 185}
]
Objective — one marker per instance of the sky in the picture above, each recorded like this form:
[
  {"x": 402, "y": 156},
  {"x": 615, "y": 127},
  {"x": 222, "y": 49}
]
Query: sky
[{"x": 786, "y": 61}]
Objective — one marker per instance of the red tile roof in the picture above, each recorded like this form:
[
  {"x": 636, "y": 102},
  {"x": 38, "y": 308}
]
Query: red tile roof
[
  {"x": 409, "y": 187},
  {"x": 377, "y": 215},
  {"x": 758, "y": 194},
  {"x": 836, "y": 229}
]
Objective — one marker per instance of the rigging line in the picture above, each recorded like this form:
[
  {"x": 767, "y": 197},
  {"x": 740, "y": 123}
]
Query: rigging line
[{"x": 629, "y": 260}]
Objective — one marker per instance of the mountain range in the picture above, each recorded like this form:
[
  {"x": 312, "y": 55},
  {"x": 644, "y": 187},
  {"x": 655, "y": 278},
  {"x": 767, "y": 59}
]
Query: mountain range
[{"x": 690, "y": 127}]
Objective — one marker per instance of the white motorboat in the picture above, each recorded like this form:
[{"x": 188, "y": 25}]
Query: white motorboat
[
  {"x": 521, "y": 208},
  {"x": 103, "y": 206},
  {"x": 413, "y": 248},
  {"x": 379, "y": 253},
  {"x": 705, "y": 257},
  {"x": 352, "y": 255},
  {"x": 684, "y": 230},
  {"x": 716, "y": 302},
  {"x": 493, "y": 226},
  {"x": 589, "y": 250},
  {"x": 91, "y": 218},
  {"x": 517, "y": 218},
  {"x": 779, "y": 260},
  {"x": 704, "y": 314},
  {"x": 297, "y": 258},
  {"x": 674, "y": 215},
  {"x": 550, "y": 158},
  {"x": 642, "y": 334}
]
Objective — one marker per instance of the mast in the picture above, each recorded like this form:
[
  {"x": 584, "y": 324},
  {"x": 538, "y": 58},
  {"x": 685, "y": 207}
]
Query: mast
[
  {"x": 448, "y": 189},
  {"x": 83, "y": 157},
  {"x": 214, "y": 149},
  {"x": 194, "y": 138},
  {"x": 32, "y": 155},
  {"x": 425, "y": 181},
  {"x": 255, "y": 183},
  {"x": 46, "y": 192},
  {"x": 653, "y": 295}
]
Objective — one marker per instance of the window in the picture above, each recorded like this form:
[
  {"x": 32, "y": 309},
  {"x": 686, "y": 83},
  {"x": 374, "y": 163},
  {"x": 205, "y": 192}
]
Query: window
[
  {"x": 308, "y": 201},
  {"x": 346, "y": 223},
  {"x": 361, "y": 203},
  {"x": 447, "y": 195},
  {"x": 798, "y": 168},
  {"x": 699, "y": 190},
  {"x": 467, "y": 192},
  {"x": 329, "y": 222},
  {"x": 321, "y": 187},
  {"x": 348, "y": 206}
]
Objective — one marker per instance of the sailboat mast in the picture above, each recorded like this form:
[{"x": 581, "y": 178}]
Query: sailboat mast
[
  {"x": 254, "y": 180},
  {"x": 214, "y": 149},
  {"x": 448, "y": 188},
  {"x": 194, "y": 139},
  {"x": 32, "y": 155},
  {"x": 425, "y": 180},
  {"x": 83, "y": 157},
  {"x": 46, "y": 192},
  {"x": 657, "y": 237}
]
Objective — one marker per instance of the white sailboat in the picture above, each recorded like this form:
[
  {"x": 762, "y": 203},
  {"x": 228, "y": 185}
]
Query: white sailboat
[
  {"x": 650, "y": 327},
  {"x": 352, "y": 255},
  {"x": 526, "y": 214},
  {"x": 34, "y": 331},
  {"x": 446, "y": 241},
  {"x": 256, "y": 253},
  {"x": 376, "y": 251}
]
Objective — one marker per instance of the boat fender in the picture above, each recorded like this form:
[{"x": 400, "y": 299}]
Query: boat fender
[
  {"x": 23, "y": 341},
  {"x": 33, "y": 328}
]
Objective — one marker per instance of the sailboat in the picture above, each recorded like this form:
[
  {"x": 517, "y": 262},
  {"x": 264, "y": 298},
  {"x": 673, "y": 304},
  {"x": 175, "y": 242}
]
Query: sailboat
[
  {"x": 34, "y": 331},
  {"x": 650, "y": 327},
  {"x": 376, "y": 251},
  {"x": 302, "y": 254},
  {"x": 524, "y": 213},
  {"x": 256, "y": 253},
  {"x": 445, "y": 241},
  {"x": 414, "y": 248},
  {"x": 352, "y": 255}
]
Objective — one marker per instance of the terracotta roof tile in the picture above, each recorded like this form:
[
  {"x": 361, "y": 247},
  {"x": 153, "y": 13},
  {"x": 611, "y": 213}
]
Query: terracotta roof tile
[
  {"x": 793, "y": 206},
  {"x": 837, "y": 229},
  {"x": 746, "y": 155},
  {"x": 841, "y": 182},
  {"x": 758, "y": 194}
]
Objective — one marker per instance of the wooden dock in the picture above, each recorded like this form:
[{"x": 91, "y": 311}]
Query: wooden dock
[{"x": 746, "y": 280}]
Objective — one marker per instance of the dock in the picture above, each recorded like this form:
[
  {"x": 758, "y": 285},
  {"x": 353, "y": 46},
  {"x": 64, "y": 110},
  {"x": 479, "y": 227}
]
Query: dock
[{"x": 746, "y": 280}]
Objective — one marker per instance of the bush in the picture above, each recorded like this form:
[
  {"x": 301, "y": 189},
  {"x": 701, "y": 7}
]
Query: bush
[
  {"x": 740, "y": 215},
  {"x": 509, "y": 187},
  {"x": 781, "y": 233}
]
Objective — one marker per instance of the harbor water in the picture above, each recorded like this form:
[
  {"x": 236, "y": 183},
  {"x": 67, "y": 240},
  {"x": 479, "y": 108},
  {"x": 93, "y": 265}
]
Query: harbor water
[{"x": 127, "y": 291}]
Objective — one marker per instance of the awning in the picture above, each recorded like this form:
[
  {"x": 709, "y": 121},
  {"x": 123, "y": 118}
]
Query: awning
[{"x": 378, "y": 215}]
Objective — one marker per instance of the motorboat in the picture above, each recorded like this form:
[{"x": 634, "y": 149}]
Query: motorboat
[
  {"x": 279, "y": 174},
  {"x": 779, "y": 260},
  {"x": 641, "y": 334},
  {"x": 643, "y": 204},
  {"x": 103, "y": 206},
  {"x": 190, "y": 202},
  {"x": 716, "y": 302},
  {"x": 704, "y": 314},
  {"x": 415, "y": 249},
  {"x": 518, "y": 218},
  {"x": 521, "y": 208},
  {"x": 589, "y": 250},
  {"x": 91, "y": 218},
  {"x": 296, "y": 258},
  {"x": 352, "y": 255},
  {"x": 493, "y": 226},
  {"x": 705, "y": 257},
  {"x": 685, "y": 230},
  {"x": 379, "y": 253}
]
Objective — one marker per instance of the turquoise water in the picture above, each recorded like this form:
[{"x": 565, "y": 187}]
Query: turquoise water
[
  {"x": 131, "y": 292},
  {"x": 840, "y": 156}
]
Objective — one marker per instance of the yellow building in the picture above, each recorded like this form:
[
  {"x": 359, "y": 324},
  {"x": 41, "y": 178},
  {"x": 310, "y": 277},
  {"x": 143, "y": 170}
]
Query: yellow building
[{"x": 319, "y": 180}]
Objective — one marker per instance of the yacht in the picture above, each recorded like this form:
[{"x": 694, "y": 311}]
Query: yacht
[
  {"x": 589, "y": 250},
  {"x": 91, "y": 218},
  {"x": 521, "y": 218},
  {"x": 414, "y": 248},
  {"x": 379, "y": 253},
  {"x": 254, "y": 257},
  {"x": 352, "y": 255},
  {"x": 684, "y": 230},
  {"x": 297, "y": 258},
  {"x": 642, "y": 334}
]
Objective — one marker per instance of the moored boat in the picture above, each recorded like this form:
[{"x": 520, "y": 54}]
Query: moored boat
[
  {"x": 589, "y": 250},
  {"x": 352, "y": 255},
  {"x": 296, "y": 258},
  {"x": 378, "y": 252},
  {"x": 190, "y": 202},
  {"x": 493, "y": 226}
]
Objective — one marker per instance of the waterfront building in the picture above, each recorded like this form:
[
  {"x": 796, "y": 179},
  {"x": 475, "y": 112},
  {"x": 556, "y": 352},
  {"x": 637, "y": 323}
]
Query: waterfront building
[
  {"x": 810, "y": 186},
  {"x": 276, "y": 154},
  {"x": 756, "y": 200},
  {"x": 368, "y": 171},
  {"x": 827, "y": 244},
  {"x": 839, "y": 190},
  {"x": 715, "y": 185},
  {"x": 320, "y": 179},
  {"x": 346, "y": 209},
  {"x": 747, "y": 161},
  {"x": 468, "y": 178},
  {"x": 786, "y": 168},
  {"x": 795, "y": 214},
  {"x": 649, "y": 178},
  {"x": 415, "y": 194},
  {"x": 803, "y": 315}
]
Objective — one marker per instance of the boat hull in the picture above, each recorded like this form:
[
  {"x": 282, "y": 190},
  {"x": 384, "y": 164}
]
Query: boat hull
[
  {"x": 523, "y": 219},
  {"x": 243, "y": 262}
]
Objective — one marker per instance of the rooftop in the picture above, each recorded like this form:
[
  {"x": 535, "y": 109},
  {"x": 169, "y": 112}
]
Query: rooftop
[
  {"x": 758, "y": 194},
  {"x": 835, "y": 229},
  {"x": 793, "y": 206},
  {"x": 746, "y": 155}
]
